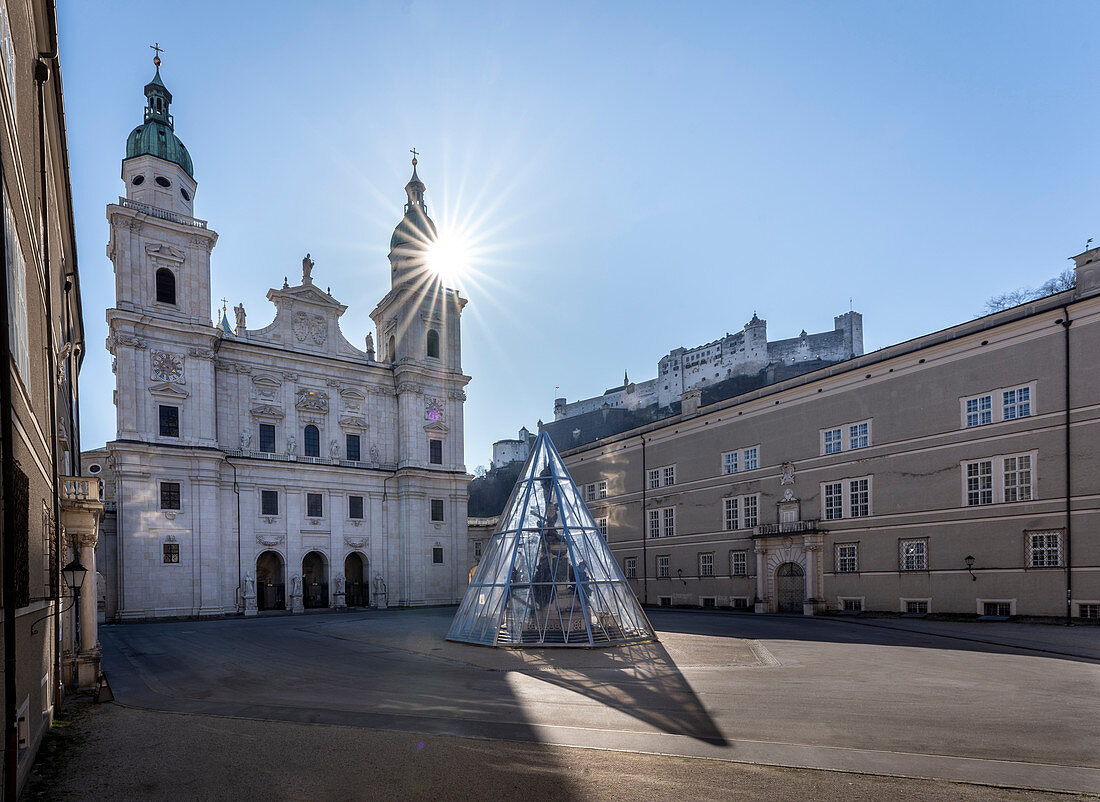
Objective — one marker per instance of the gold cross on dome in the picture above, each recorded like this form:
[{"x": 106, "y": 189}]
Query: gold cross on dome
[
  {"x": 156, "y": 47},
  {"x": 415, "y": 154}
]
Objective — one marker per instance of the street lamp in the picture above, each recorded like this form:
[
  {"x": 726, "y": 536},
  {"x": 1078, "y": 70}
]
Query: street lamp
[
  {"x": 969, "y": 560},
  {"x": 74, "y": 574}
]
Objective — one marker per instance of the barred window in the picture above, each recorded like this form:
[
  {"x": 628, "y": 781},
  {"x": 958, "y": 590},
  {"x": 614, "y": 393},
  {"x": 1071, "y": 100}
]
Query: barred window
[
  {"x": 853, "y": 605},
  {"x": 170, "y": 495},
  {"x": 1044, "y": 549},
  {"x": 847, "y": 558},
  {"x": 914, "y": 555},
  {"x": 739, "y": 563},
  {"x": 1088, "y": 610},
  {"x": 916, "y": 607},
  {"x": 834, "y": 501},
  {"x": 730, "y": 513},
  {"x": 706, "y": 565},
  {"x": 1017, "y": 478}
]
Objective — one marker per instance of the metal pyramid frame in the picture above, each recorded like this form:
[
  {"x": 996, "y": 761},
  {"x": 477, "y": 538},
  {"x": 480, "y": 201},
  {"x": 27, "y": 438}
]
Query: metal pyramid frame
[{"x": 548, "y": 577}]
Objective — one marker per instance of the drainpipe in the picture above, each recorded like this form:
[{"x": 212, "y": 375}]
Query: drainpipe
[
  {"x": 645, "y": 556},
  {"x": 1065, "y": 321}
]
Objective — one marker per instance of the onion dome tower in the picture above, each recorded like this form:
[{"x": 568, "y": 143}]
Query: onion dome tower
[{"x": 413, "y": 236}]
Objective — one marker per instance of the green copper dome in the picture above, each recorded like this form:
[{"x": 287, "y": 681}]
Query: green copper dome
[{"x": 156, "y": 136}]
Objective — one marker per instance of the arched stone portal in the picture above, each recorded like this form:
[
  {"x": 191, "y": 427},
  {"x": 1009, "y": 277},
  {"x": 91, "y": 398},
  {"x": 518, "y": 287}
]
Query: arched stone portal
[
  {"x": 314, "y": 580},
  {"x": 354, "y": 571},
  {"x": 270, "y": 588},
  {"x": 790, "y": 588}
]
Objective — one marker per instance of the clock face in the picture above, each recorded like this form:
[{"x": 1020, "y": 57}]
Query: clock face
[
  {"x": 434, "y": 411},
  {"x": 166, "y": 367},
  {"x": 433, "y": 414}
]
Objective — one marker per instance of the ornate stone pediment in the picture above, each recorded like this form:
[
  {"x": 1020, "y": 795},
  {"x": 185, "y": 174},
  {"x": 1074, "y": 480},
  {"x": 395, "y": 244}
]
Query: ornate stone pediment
[
  {"x": 162, "y": 251},
  {"x": 437, "y": 428},
  {"x": 266, "y": 411},
  {"x": 169, "y": 390},
  {"x": 311, "y": 400},
  {"x": 352, "y": 393},
  {"x": 353, "y": 422}
]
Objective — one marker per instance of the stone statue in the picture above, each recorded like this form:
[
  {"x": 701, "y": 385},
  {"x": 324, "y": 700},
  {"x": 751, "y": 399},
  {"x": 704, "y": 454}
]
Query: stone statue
[
  {"x": 370, "y": 347},
  {"x": 788, "y": 474},
  {"x": 307, "y": 270},
  {"x": 238, "y": 310},
  {"x": 249, "y": 586},
  {"x": 291, "y": 445},
  {"x": 375, "y": 456},
  {"x": 339, "y": 583},
  {"x": 379, "y": 585},
  {"x": 295, "y": 585},
  {"x": 334, "y": 449},
  {"x": 246, "y": 440}
]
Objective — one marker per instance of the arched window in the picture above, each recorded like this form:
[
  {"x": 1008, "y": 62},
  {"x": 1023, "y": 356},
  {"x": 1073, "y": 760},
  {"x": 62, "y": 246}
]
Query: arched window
[
  {"x": 166, "y": 286},
  {"x": 392, "y": 350},
  {"x": 433, "y": 343},
  {"x": 312, "y": 441}
]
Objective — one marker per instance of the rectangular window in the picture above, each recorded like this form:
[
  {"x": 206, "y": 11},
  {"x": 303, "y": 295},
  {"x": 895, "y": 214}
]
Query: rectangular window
[
  {"x": 831, "y": 443},
  {"x": 601, "y": 524},
  {"x": 267, "y": 438},
  {"x": 662, "y": 567},
  {"x": 859, "y": 435},
  {"x": 979, "y": 483},
  {"x": 731, "y": 513},
  {"x": 853, "y": 605},
  {"x": 1044, "y": 549},
  {"x": 654, "y": 523},
  {"x": 355, "y": 507},
  {"x": 1017, "y": 477},
  {"x": 269, "y": 502},
  {"x": 601, "y": 489},
  {"x": 740, "y": 603},
  {"x": 847, "y": 558},
  {"x": 171, "y": 553},
  {"x": 707, "y": 601},
  {"x": 1016, "y": 403},
  {"x": 668, "y": 475},
  {"x": 751, "y": 456},
  {"x": 739, "y": 563},
  {"x": 997, "y": 609},
  {"x": 477, "y": 551},
  {"x": 914, "y": 555},
  {"x": 859, "y": 497},
  {"x": 916, "y": 607},
  {"x": 17, "y": 286},
  {"x": 437, "y": 509},
  {"x": 979, "y": 410},
  {"x": 437, "y": 555},
  {"x": 729, "y": 462},
  {"x": 169, "y": 495},
  {"x": 630, "y": 567},
  {"x": 751, "y": 507},
  {"x": 169, "y": 421},
  {"x": 653, "y": 476},
  {"x": 351, "y": 448},
  {"x": 706, "y": 565},
  {"x": 590, "y": 492},
  {"x": 435, "y": 452},
  {"x": 1088, "y": 610},
  {"x": 670, "y": 522},
  {"x": 314, "y": 506},
  {"x": 834, "y": 501}
]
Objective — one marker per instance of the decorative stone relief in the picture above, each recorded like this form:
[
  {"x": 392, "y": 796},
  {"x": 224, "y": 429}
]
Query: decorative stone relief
[
  {"x": 311, "y": 400},
  {"x": 266, "y": 411},
  {"x": 788, "y": 474},
  {"x": 166, "y": 367},
  {"x": 356, "y": 542},
  {"x": 201, "y": 353},
  {"x": 269, "y": 540},
  {"x": 309, "y": 326}
]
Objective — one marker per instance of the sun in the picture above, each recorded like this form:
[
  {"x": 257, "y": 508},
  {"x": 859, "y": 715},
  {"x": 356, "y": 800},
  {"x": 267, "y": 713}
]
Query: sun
[{"x": 449, "y": 257}]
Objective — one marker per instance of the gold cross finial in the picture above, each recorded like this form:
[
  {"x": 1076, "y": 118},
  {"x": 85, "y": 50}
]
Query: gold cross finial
[
  {"x": 225, "y": 304},
  {"x": 156, "y": 46},
  {"x": 415, "y": 154}
]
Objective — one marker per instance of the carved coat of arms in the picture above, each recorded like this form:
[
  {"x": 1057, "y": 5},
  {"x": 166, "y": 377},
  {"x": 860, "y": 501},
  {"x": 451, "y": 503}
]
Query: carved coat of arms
[{"x": 307, "y": 326}]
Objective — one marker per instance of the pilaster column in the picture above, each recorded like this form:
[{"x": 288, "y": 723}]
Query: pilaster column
[
  {"x": 89, "y": 593},
  {"x": 761, "y": 578}
]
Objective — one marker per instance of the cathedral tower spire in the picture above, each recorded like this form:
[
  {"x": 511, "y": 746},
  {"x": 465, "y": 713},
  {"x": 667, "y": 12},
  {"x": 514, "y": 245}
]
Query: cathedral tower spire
[{"x": 413, "y": 236}]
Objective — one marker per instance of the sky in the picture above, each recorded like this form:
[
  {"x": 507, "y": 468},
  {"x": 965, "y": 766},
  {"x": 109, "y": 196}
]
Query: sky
[{"x": 630, "y": 177}]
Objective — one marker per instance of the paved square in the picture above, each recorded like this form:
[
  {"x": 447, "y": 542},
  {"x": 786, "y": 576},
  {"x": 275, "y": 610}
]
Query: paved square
[{"x": 887, "y": 697}]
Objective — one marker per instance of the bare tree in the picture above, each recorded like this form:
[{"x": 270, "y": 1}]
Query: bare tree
[{"x": 1066, "y": 280}]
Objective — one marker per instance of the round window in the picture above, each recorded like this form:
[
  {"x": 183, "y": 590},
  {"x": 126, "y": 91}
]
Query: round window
[
  {"x": 164, "y": 182},
  {"x": 94, "y": 469},
  {"x": 186, "y": 195},
  {"x": 138, "y": 180}
]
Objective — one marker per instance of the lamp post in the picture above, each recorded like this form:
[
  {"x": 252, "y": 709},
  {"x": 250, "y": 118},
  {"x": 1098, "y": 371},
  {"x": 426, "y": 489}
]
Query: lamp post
[
  {"x": 969, "y": 560},
  {"x": 74, "y": 574}
]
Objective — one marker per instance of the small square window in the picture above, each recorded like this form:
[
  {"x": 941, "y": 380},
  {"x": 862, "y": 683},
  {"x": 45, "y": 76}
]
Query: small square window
[
  {"x": 847, "y": 558},
  {"x": 437, "y": 555},
  {"x": 435, "y": 452},
  {"x": 269, "y": 502},
  {"x": 1044, "y": 549},
  {"x": 355, "y": 507},
  {"x": 853, "y": 605},
  {"x": 1089, "y": 610},
  {"x": 437, "y": 509},
  {"x": 740, "y": 603},
  {"x": 916, "y": 607},
  {"x": 707, "y": 601},
  {"x": 169, "y": 421},
  {"x": 170, "y": 495},
  {"x": 351, "y": 449},
  {"x": 171, "y": 553},
  {"x": 267, "y": 438},
  {"x": 997, "y": 609},
  {"x": 314, "y": 505},
  {"x": 914, "y": 555}
]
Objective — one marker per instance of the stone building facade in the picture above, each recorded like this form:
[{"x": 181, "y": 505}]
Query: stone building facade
[
  {"x": 953, "y": 473},
  {"x": 50, "y": 515},
  {"x": 276, "y": 467}
]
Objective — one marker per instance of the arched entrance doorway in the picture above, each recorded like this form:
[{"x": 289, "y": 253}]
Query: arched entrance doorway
[
  {"x": 790, "y": 588},
  {"x": 314, "y": 581},
  {"x": 270, "y": 590},
  {"x": 355, "y": 594}
]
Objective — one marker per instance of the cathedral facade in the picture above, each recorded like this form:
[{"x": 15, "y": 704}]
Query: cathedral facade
[{"x": 280, "y": 467}]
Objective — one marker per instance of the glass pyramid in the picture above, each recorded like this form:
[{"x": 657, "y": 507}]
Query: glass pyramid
[{"x": 547, "y": 577}]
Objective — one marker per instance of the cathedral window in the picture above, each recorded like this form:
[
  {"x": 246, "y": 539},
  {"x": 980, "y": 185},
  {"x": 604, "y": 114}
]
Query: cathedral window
[
  {"x": 435, "y": 452},
  {"x": 437, "y": 555},
  {"x": 162, "y": 181},
  {"x": 391, "y": 350},
  {"x": 169, "y": 495},
  {"x": 312, "y": 444},
  {"x": 437, "y": 509},
  {"x": 267, "y": 438},
  {"x": 352, "y": 447},
  {"x": 314, "y": 505},
  {"x": 171, "y": 553},
  {"x": 433, "y": 344},
  {"x": 137, "y": 180},
  {"x": 269, "y": 502},
  {"x": 166, "y": 286},
  {"x": 355, "y": 507},
  {"x": 169, "y": 421}
]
